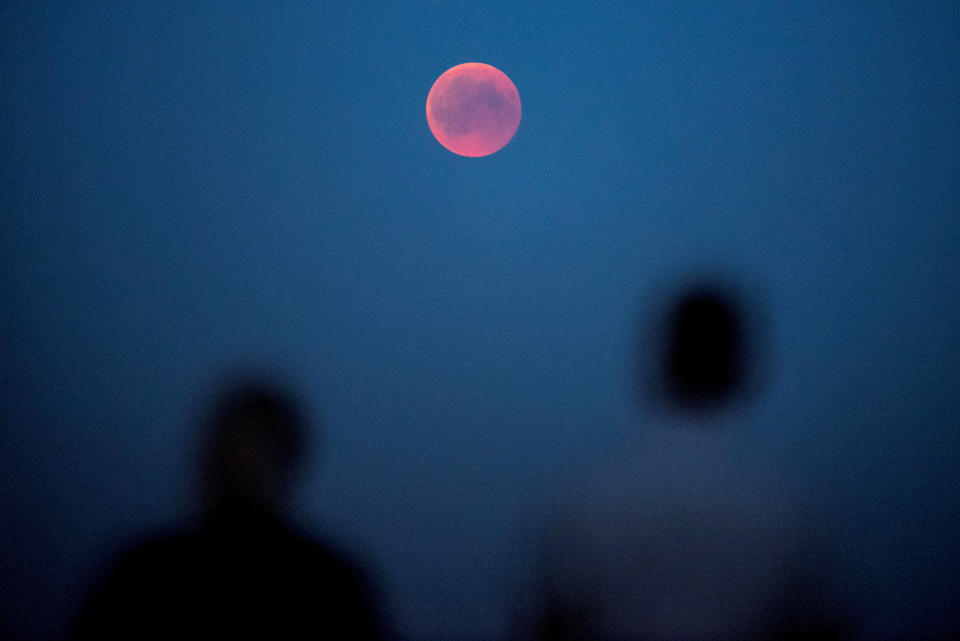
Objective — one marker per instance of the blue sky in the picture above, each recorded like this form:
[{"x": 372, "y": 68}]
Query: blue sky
[{"x": 189, "y": 186}]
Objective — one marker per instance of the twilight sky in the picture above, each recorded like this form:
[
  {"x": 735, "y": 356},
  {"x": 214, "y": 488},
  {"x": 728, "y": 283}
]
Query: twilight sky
[{"x": 189, "y": 186}]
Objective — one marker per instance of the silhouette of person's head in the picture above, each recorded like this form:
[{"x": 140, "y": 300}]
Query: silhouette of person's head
[
  {"x": 706, "y": 349},
  {"x": 704, "y": 353},
  {"x": 244, "y": 570},
  {"x": 255, "y": 436}
]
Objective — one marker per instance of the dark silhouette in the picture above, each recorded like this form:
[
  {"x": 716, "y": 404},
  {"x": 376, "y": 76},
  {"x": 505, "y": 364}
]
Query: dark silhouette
[
  {"x": 692, "y": 535},
  {"x": 243, "y": 570},
  {"x": 702, "y": 350},
  {"x": 704, "y": 360}
]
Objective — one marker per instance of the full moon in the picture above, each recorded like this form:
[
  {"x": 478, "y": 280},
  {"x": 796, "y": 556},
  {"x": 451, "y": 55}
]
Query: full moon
[{"x": 473, "y": 109}]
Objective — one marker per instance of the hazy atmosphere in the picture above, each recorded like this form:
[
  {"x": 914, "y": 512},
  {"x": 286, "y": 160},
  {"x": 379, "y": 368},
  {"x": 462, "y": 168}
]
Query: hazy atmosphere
[{"x": 187, "y": 188}]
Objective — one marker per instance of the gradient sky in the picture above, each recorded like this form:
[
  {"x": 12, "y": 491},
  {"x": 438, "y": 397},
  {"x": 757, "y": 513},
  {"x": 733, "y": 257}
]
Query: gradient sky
[{"x": 186, "y": 186}]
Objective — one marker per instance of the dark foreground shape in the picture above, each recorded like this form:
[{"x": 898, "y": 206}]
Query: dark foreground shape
[
  {"x": 692, "y": 530},
  {"x": 245, "y": 578},
  {"x": 240, "y": 571}
]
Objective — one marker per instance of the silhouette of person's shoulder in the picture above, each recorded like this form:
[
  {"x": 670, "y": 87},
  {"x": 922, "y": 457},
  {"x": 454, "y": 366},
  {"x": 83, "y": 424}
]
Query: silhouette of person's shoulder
[{"x": 264, "y": 580}]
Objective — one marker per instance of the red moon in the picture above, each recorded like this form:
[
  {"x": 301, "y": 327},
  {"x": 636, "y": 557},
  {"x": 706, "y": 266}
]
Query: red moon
[{"x": 473, "y": 109}]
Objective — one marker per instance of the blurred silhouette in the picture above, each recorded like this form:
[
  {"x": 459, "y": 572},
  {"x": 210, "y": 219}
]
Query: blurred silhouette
[
  {"x": 704, "y": 363},
  {"x": 702, "y": 350},
  {"x": 243, "y": 570},
  {"x": 694, "y": 533}
]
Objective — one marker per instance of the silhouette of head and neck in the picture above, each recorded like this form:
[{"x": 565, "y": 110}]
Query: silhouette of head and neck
[
  {"x": 254, "y": 447},
  {"x": 706, "y": 358},
  {"x": 244, "y": 571}
]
